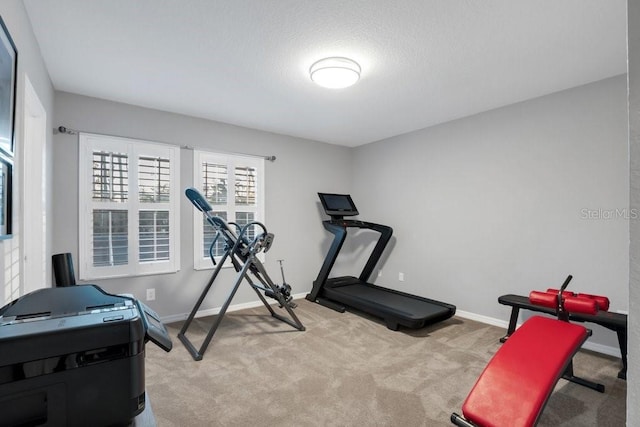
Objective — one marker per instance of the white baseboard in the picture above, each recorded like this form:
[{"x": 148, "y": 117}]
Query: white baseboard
[
  {"x": 602, "y": 349},
  {"x": 598, "y": 348},
  {"x": 216, "y": 310},
  {"x": 483, "y": 319}
]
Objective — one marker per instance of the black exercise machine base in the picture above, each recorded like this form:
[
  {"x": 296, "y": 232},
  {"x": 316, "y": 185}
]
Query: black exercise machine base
[
  {"x": 394, "y": 307},
  {"x": 328, "y": 303},
  {"x": 613, "y": 321}
]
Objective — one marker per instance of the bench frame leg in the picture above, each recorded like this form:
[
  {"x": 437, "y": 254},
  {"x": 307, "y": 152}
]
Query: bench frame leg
[
  {"x": 568, "y": 375},
  {"x": 460, "y": 421},
  {"x": 622, "y": 341},
  {"x": 513, "y": 322}
]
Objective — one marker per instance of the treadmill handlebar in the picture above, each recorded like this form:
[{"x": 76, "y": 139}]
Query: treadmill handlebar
[{"x": 358, "y": 224}]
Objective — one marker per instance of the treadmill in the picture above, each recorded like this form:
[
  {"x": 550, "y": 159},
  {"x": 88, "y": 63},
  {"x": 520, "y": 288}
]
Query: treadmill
[{"x": 394, "y": 307}]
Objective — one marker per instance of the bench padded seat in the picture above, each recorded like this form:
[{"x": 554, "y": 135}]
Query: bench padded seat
[{"x": 514, "y": 387}]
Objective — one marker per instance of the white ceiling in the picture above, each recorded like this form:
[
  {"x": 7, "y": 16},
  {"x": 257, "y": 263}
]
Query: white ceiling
[{"x": 246, "y": 62}]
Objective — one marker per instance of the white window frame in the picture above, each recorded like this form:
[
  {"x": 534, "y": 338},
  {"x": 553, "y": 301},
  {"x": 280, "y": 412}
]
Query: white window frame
[
  {"x": 231, "y": 161},
  {"x": 134, "y": 148}
]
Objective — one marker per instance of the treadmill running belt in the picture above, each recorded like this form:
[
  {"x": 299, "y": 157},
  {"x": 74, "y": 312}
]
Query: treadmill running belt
[{"x": 393, "y": 306}]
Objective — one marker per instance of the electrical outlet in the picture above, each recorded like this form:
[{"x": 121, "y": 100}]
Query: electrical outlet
[
  {"x": 401, "y": 277},
  {"x": 151, "y": 294}
]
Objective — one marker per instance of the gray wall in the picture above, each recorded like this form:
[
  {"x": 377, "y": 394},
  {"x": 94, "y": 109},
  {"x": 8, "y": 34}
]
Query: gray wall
[
  {"x": 633, "y": 383},
  {"x": 493, "y": 204},
  {"x": 301, "y": 170},
  {"x": 30, "y": 63}
]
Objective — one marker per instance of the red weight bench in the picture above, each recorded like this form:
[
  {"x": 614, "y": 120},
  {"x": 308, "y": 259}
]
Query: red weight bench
[{"x": 516, "y": 384}]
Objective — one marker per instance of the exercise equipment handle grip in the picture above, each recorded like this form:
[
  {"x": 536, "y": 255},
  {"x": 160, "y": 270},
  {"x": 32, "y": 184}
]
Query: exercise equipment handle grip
[{"x": 566, "y": 283}]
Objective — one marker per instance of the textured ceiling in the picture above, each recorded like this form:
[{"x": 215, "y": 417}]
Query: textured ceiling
[{"x": 246, "y": 62}]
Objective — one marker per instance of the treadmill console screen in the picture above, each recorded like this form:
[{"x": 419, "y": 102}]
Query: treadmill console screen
[{"x": 338, "y": 205}]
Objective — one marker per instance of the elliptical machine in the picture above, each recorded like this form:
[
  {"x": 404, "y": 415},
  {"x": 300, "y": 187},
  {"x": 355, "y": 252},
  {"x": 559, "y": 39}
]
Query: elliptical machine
[{"x": 242, "y": 252}]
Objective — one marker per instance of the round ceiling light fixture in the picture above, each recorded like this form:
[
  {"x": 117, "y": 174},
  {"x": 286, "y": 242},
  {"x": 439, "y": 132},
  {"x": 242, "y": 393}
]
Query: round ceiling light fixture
[{"x": 335, "y": 72}]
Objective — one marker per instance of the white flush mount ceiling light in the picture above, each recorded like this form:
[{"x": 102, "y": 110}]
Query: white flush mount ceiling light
[{"x": 335, "y": 73}]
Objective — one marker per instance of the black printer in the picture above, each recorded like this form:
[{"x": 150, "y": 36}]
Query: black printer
[{"x": 74, "y": 356}]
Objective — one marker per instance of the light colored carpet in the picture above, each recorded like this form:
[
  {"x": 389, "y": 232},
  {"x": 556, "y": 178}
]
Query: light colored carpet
[{"x": 348, "y": 370}]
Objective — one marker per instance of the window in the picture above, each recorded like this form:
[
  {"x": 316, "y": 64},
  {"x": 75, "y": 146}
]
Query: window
[
  {"x": 234, "y": 187},
  {"x": 129, "y": 207}
]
